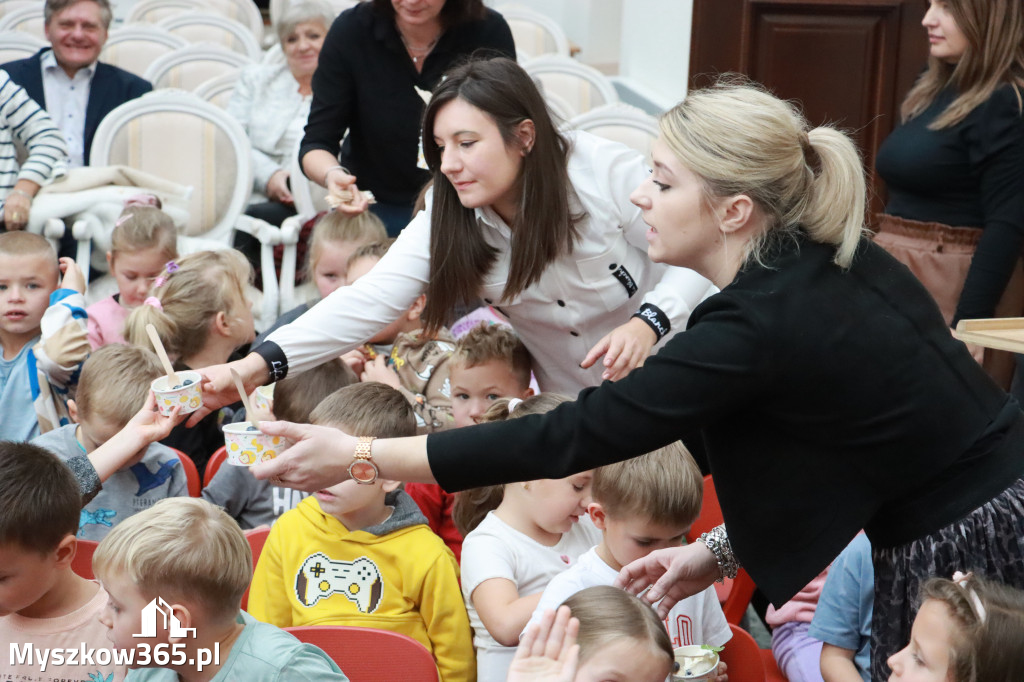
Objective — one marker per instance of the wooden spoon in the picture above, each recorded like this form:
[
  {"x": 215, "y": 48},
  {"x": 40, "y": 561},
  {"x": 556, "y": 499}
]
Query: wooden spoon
[
  {"x": 249, "y": 412},
  {"x": 172, "y": 376}
]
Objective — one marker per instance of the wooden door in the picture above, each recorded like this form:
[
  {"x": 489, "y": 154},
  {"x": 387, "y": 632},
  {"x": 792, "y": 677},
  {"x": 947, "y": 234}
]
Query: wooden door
[{"x": 849, "y": 62}]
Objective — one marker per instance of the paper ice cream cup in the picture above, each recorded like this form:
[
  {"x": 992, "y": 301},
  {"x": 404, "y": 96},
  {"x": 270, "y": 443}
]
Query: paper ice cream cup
[
  {"x": 695, "y": 663},
  {"x": 186, "y": 394},
  {"x": 263, "y": 399},
  {"x": 247, "y": 446}
]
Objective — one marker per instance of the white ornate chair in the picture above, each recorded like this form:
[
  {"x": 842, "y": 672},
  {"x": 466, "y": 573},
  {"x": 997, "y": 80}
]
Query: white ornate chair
[
  {"x": 244, "y": 12},
  {"x": 11, "y": 5},
  {"x": 185, "y": 140},
  {"x": 214, "y": 28},
  {"x": 155, "y": 11},
  {"x": 134, "y": 47},
  {"x": 620, "y": 122},
  {"x": 218, "y": 89},
  {"x": 190, "y": 66},
  {"x": 25, "y": 20},
  {"x": 19, "y": 45},
  {"x": 534, "y": 33},
  {"x": 580, "y": 86}
]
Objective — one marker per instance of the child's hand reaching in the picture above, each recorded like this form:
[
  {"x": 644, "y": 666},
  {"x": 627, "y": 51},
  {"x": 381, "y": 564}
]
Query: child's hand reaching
[
  {"x": 73, "y": 278},
  {"x": 129, "y": 444},
  {"x": 149, "y": 425},
  {"x": 356, "y": 360},
  {"x": 548, "y": 651},
  {"x": 720, "y": 674},
  {"x": 378, "y": 370}
]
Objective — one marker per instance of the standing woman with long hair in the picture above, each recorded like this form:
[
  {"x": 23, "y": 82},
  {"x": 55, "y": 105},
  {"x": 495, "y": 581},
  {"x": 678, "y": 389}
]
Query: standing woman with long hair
[
  {"x": 535, "y": 222},
  {"x": 954, "y": 167}
]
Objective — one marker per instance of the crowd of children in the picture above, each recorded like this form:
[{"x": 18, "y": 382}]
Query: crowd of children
[{"x": 85, "y": 456}]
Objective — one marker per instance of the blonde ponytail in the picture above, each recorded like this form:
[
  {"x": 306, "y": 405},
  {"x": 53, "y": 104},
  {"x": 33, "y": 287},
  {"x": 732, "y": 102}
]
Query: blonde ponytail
[{"x": 740, "y": 139}]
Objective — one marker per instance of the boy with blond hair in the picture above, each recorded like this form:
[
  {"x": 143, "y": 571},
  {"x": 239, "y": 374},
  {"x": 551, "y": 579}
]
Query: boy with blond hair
[
  {"x": 113, "y": 388},
  {"x": 43, "y": 335},
  {"x": 641, "y": 505},
  {"x": 190, "y": 560},
  {"x": 489, "y": 362},
  {"x": 361, "y": 554},
  {"x": 43, "y": 604}
]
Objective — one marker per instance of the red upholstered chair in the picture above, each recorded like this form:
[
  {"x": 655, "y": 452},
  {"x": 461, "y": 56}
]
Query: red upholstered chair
[
  {"x": 82, "y": 563},
  {"x": 771, "y": 667},
  {"x": 367, "y": 655},
  {"x": 216, "y": 459},
  {"x": 743, "y": 657},
  {"x": 733, "y": 595},
  {"x": 257, "y": 537},
  {"x": 195, "y": 484}
]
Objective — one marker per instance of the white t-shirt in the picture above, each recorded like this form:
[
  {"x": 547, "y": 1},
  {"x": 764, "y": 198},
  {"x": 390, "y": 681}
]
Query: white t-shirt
[
  {"x": 694, "y": 620},
  {"x": 496, "y": 550}
]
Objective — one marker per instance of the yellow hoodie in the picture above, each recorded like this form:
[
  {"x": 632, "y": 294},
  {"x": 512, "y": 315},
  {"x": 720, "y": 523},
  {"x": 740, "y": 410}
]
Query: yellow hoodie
[{"x": 396, "y": 576}]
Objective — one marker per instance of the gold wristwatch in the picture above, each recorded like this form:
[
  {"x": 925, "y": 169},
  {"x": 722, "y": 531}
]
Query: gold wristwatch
[{"x": 362, "y": 469}]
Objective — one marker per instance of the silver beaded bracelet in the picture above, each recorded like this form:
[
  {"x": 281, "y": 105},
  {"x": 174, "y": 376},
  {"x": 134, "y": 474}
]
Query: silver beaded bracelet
[{"x": 717, "y": 540}]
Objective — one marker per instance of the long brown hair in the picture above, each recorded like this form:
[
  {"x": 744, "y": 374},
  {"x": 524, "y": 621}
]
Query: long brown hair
[
  {"x": 994, "y": 30},
  {"x": 544, "y": 227},
  {"x": 453, "y": 13}
]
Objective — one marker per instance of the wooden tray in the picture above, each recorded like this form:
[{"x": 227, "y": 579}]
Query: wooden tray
[{"x": 1001, "y": 333}]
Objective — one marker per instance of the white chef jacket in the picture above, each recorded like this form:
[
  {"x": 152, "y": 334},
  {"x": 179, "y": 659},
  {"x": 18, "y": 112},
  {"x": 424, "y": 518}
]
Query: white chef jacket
[{"x": 580, "y": 297}]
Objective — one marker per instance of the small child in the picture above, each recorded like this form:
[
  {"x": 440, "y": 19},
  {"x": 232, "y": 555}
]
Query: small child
[
  {"x": 842, "y": 620},
  {"x": 200, "y": 311},
  {"x": 143, "y": 240},
  {"x": 43, "y": 337},
  {"x": 335, "y": 237},
  {"x": 43, "y": 604},
  {"x": 619, "y": 638},
  {"x": 489, "y": 362},
  {"x": 402, "y": 356},
  {"x": 187, "y": 559},
  {"x": 253, "y": 502},
  {"x": 519, "y": 537},
  {"x": 362, "y": 555},
  {"x": 113, "y": 388},
  {"x": 967, "y": 630},
  {"x": 796, "y": 652},
  {"x": 642, "y": 505}
]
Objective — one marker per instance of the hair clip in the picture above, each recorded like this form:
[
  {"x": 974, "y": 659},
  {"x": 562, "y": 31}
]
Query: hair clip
[
  {"x": 159, "y": 281},
  {"x": 155, "y": 302},
  {"x": 513, "y": 404},
  {"x": 122, "y": 220},
  {"x": 963, "y": 581},
  {"x": 171, "y": 266},
  {"x": 142, "y": 200}
]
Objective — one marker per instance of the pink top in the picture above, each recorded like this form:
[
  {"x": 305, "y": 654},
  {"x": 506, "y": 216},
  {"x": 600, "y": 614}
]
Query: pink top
[
  {"x": 78, "y": 630},
  {"x": 799, "y": 608},
  {"x": 106, "y": 322}
]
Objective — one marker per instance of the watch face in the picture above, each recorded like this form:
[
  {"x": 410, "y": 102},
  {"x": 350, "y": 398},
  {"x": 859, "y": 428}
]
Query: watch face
[{"x": 362, "y": 472}]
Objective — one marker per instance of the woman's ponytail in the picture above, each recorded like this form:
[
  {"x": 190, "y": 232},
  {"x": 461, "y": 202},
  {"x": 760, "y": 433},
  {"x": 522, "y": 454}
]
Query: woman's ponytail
[{"x": 834, "y": 213}]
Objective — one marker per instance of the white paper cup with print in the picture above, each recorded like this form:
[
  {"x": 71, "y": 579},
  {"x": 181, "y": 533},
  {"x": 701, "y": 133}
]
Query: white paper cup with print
[
  {"x": 263, "y": 399},
  {"x": 186, "y": 394},
  {"x": 695, "y": 663},
  {"x": 247, "y": 446}
]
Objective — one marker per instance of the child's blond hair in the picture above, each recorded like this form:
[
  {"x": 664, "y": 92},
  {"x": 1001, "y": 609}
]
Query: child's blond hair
[
  {"x": 471, "y": 506},
  {"x": 190, "y": 293},
  {"x": 115, "y": 382},
  {"x": 144, "y": 227},
  {"x": 23, "y": 243},
  {"x": 296, "y": 396},
  {"x": 664, "y": 486},
  {"x": 486, "y": 342},
  {"x": 371, "y": 250},
  {"x": 335, "y": 226},
  {"x": 608, "y": 614},
  {"x": 367, "y": 409},
  {"x": 182, "y": 549}
]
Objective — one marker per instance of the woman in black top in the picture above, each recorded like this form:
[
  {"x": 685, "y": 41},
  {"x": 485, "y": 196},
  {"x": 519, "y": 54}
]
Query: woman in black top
[
  {"x": 378, "y": 62},
  {"x": 830, "y": 394},
  {"x": 954, "y": 168}
]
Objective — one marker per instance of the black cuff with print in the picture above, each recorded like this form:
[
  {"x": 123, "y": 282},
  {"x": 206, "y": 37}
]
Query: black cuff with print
[
  {"x": 655, "y": 318},
  {"x": 277, "y": 362}
]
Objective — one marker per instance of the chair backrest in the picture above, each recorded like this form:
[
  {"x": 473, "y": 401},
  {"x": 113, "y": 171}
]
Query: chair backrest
[
  {"x": 622, "y": 123},
  {"x": 395, "y": 656},
  {"x": 244, "y": 12},
  {"x": 195, "y": 484},
  {"x": 310, "y": 198},
  {"x": 213, "y": 464},
  {"x": 256, "y": 537},
  {"x": 218, "y": 90},
  {"x": 25, "y": 20},
  {"x": 82, "y": 563},
  {"x": 181, "y": 138},
  {"x": 743, "y": 657},
  {"x": 216, "y": 29},
  {"x": 534, "y": 33},
  {"x": 189, "y": 67},
  {"x": 11, "y": 5},
  {"x": 582, "y": 87},
  {"x": 154, "y": 11},
  {"x": 18, "y": 45},
  {"x": 134, "y": 47}
]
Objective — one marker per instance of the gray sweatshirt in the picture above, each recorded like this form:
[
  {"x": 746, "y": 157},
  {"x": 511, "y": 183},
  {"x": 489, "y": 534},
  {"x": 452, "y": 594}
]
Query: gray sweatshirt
[
  {"x": 248, "y": 500},
  {"x": 127, "y": 491}
]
